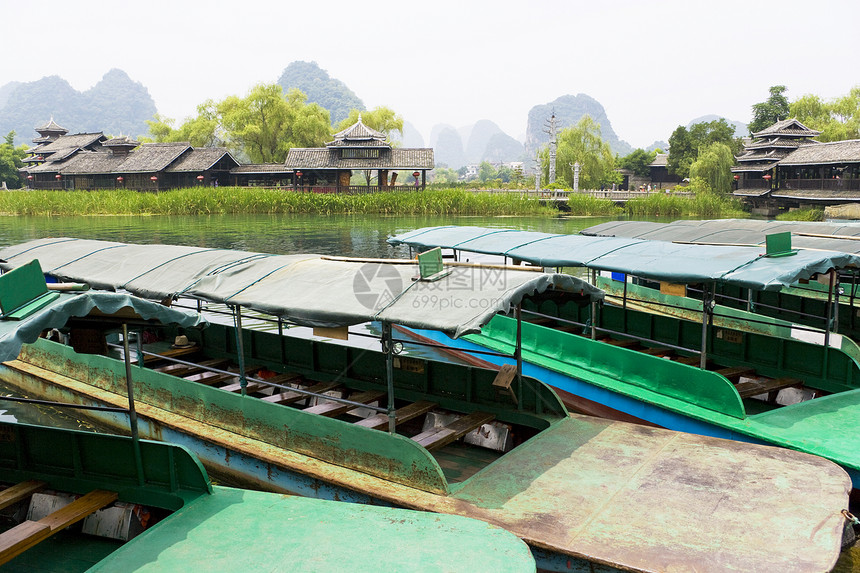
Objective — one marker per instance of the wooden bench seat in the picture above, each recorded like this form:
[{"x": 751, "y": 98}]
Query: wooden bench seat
[
  {"x": 19, "y": 492},
  {"x": 171, "y": 353},
  {"x": 734, "y": 374},
  {"x": 27, "y": 534},
  {"x": 404, "y": 414},
  {"x": 688, "y": 360},
  {"x": 332, "y": 409},
  {"x": 209, "y": 378},
  {"x": 756, "y": 387},
  {"x": 289, "y": 397},
  {"x": 657, "y": 351},
  {"x": 181, "y": 370},
  {"x": 438, "y": 437}
]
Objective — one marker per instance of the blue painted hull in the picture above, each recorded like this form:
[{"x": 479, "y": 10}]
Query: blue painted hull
[{"x": 641, "y": 411}]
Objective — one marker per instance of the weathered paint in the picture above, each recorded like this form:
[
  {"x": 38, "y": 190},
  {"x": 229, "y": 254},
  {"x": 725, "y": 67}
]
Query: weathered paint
[
  {"x": 216, "y": 526},
  {"x": 560, "y": 491},
  {"x": 825, "y": 426}
]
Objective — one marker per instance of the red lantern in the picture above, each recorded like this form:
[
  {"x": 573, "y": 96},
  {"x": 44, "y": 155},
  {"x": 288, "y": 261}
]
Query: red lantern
[
  {"x": 200, "y": 178},
  {"x": 737, "y": 177},
  {"x": 57, "y": 176},
  {"x": 415, "y": 174},
  {"x": 30, "y": 177},
  {"x": 767, "y": 177},
  {"x": 153, "y": 178},
  {"x": 119, "y": 179},
  {"x": 298, "y": 173}
]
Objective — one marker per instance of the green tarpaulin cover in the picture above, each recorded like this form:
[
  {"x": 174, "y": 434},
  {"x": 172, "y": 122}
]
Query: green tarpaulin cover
[
  {"x": 14, "y": 333},
  {"x": 305, "y": 289},
  {"x": 657, "y": 260}
]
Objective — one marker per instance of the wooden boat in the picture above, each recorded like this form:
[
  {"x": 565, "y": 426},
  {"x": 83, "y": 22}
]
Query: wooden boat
[
  {"x": 584, "y": 493},
  {"x": 74, "y": 501},
  {"x": 805, "y": 303},
  {"x": 77, "y": 501},
  {"x": 753, "y": 383}
]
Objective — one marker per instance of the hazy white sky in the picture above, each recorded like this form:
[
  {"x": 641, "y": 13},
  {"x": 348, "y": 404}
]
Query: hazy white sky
[{"x": 653, "y": 64}]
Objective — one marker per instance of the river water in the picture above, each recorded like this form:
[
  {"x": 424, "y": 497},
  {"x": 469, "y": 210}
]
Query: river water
[{"x": 357, "y": 235}]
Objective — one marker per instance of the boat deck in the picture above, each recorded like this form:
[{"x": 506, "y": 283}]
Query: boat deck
[{"x": 440, "y": 431}]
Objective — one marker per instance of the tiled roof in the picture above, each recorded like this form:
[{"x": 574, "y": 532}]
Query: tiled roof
[
  {"x": 76, "y": 141},
  {"x": 123, "y": 141},
  {"x": 400, "y": 158},
  {"x": 359, "y": 131},
  {"x": 789, "y": 127},
  {"x": 833, "y": 152},
  {"x": 754, "y": 167},
  {"x": 818, "y": 195},
  {"x": 51, "y": 126},
  {"x": 200, "y": 159},
  {"x": 661, "y": 160}
]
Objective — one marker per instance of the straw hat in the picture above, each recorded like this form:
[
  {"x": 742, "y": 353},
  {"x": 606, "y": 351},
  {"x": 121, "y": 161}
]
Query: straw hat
[{"x": 182, "y": 341}]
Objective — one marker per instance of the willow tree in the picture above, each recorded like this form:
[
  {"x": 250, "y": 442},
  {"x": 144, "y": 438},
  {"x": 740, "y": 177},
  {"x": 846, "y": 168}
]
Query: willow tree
[
  {"x": 714, "y": 166},
  {"x": 267, "y": 123},
  {"x": 582, "y": 144},
  {"x": 260, "y": 127},
  {"x": 837, "y": 119}
]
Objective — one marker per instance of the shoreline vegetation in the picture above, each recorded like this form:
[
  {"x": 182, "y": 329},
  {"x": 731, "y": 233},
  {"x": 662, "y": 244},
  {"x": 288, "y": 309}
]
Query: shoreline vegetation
[{"x": 244, "y": 200}]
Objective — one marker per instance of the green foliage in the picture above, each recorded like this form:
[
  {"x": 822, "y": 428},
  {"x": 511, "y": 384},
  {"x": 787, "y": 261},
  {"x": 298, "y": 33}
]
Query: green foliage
[
  {"x": 583, "y": 144},
  {"x": 802, "y": 214},
  {"x": 714, "y": 166},
  {"x": 10, "y": 161},
  {"x": 685, "y": 145},
  {"x": 768, "y": 112},
  {"x": 224, "y": 200},
  {"x": 586, "y": 205},
  {"x": 445, "y": 176},
  {"x": 837, "y": 120},
  {"x": 260, "y": 127},
  {"x": 382, "y": 119},
  {"x": 702, "y": 205},
  {"x": 638, "y": 162}
]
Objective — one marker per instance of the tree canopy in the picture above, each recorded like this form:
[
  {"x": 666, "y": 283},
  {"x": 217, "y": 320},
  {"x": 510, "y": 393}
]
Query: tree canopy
[
  {"x": 837, "y": 119},
  {"x": 638, "y": 161},
  {"x": 10, "y": 161},
  {"x": 582, "y": 144},
  {"x": 768, "y": 112},
  {"x": 260, "y": 127},
  {"x": 685, "y": 145},
  {"x": 714, "y": 166}
]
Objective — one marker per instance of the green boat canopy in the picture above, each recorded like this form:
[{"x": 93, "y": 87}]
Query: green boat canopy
[
  {"x": 308, "y": 290},
  {"x": 657, "y": 260},
  {"x": 832, "y": 236},
  {"x": 15, "y": 333}
]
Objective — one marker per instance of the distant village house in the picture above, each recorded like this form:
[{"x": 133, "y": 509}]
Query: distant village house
[{"x": 88, "y": 161}]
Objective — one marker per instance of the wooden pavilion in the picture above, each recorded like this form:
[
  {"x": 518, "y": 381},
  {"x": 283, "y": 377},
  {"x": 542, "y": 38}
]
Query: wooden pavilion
[
  {"x": 785, "y": 165},
  {"x": 358, "y": 148}
]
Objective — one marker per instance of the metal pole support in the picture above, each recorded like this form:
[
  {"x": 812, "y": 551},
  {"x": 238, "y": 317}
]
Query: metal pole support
[{"x": 388, "y": 349}]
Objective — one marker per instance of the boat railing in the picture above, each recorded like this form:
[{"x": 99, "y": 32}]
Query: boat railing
[
  {"x": 595, "y": 329},
  {"x": 722, "y": 296},
  {"x": 261, "y": 381}
]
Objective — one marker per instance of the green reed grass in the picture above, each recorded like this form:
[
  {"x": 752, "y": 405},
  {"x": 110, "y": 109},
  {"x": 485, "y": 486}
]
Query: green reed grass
[
  {"x": 701, "y": 205},
  {"x": 236, "y": 200},
  {"x": 803, "y": 214}
]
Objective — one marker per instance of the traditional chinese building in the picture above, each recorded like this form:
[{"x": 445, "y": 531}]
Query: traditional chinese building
[
  {"x": 358, "y": 149},
  {"x": 92, "y": 161},
  {"x": 785, "y": 165}
]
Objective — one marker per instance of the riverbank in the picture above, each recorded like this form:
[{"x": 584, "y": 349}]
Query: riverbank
[{"x": 244, "y": 200}]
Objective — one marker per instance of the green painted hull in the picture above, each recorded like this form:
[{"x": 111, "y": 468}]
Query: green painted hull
[
  {"x": 559, "y": 490},
  {"x": 824, "y": 426},
  {"x": 227, "y": 529}
]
